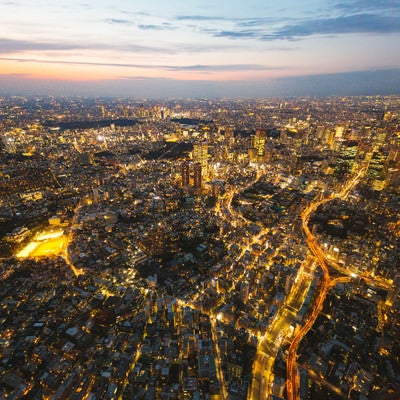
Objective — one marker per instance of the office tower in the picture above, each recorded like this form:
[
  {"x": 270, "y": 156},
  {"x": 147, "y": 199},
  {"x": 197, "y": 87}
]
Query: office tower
[
  {"x": 200, "y": 155},
  {"x": 257, "y": 151},
  {"x": 259, "y": 142},
  {"x": 197, "y": 170},
  {"x": 185, "y": 173},
  {"x": 330, "y": 138},
  {"x": 346, "y": 158}
]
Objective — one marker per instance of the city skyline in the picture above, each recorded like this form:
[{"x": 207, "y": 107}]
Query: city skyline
[
  {"x": 190, "y": 49},
  {"x": 200, "y": 249}
]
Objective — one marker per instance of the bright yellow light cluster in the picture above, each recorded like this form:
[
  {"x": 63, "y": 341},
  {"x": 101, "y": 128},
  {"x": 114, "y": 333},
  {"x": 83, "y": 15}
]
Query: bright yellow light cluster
[{"x": 45, "y": 244}]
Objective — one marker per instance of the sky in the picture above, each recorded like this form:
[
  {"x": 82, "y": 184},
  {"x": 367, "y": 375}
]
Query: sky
[{"x": 193, "y": 48}]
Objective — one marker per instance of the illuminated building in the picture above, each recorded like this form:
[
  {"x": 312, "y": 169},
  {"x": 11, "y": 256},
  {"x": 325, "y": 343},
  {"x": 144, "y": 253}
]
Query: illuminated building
[
  {"x": 96, "y": 197},
  {"x": 330, "y": 138},
  {"x": 229, "y": 138},
  {"x": 55, "y": 220},
  {"x": 157, "y": 204},
  {"x": 18, "y": 235},
  {"x": 217, "y": 187},
  {"x": 393, "y": 296},
  {"x": 234, "y": 370},
  {"x": 215, "y": 283},
  {"x": 200, "y": 155},
  {"x": 9, "y": 144},
  {"x": 197, "y": 172},
  {"x": 185, "y": 173},
  {"x": 259, "y": 143},
  {"x": 244, "y": 291},
  {"x": 257, "y": 150},
  {"x": 377, "y": 168},
  {"x": 346, "y": 158}
]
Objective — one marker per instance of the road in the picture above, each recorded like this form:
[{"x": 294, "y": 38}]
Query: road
[
  {"x": 66, "y": 255},
  {"x": 278, "y": 331},
  {"x": 292, "y": 374}
]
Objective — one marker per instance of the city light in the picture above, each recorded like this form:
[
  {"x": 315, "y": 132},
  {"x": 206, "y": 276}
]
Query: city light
[
  {"x": 246, "y": 258},
  {"x": 44, "y": 244}
]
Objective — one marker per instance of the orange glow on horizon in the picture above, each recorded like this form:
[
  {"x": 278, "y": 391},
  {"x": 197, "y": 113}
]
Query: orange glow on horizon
[
  {"x": 44, "y": 71},
  {"x": 81, "y": 72}
]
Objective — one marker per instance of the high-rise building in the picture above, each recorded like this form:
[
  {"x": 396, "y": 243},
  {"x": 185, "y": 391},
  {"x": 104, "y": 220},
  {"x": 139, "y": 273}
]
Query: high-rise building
[
  {"x": 200, "y": 155},
  {"x": 257, "y": 151},
  {"x": 330, "y": 138},
  {"x": 346, "y": 159},
  {"x": 197, "y": 181},
  {"x": 259, "y": 142},
  {"x": 185, "y": 173}
]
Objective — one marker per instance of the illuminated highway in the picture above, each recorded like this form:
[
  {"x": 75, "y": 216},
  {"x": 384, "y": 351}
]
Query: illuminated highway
[
  {"x": 278, "y": 331},
  {"x": 292, "y": 375},
  {"x": 280, "y": 328},
  {"x": 218, "y": 366}
]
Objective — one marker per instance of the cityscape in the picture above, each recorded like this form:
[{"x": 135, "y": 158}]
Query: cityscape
[
  {"x": 200, "y": 200},
  {"x": 200, "y": 249}
]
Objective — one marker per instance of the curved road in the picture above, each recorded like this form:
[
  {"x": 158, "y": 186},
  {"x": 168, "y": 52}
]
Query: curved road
[{"x": 292, "y": 378}]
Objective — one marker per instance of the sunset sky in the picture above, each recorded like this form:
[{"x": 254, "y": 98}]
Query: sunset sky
[{"x": 194, "y": 48}]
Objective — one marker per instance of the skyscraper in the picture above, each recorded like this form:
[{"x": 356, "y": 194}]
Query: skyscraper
[
  {"x": 200, "y": 155},
  {"x": 185, "y": 173},
  {"x": 258, "y": 146},
  {"x": 197, "y": 181}
]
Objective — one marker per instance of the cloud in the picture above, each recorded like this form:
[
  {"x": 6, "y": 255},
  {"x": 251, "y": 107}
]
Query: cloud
[
  {"x": 196, "y": 68},
  {"x": 12, "y": 46},
  {"x": 101, "y": 64},
  {"x": 378, "y": 6},
  {"x": 239, "y": 34},
  {"x": 261, "y": 21},
  {"x": 162, "y": 27},
  {"x": 225, "y": 67},
  {"x": 201, "y": 18},
  {"x": 17, "y": 75},
  {"x": 359, "y": 23},
  {"x": 8, "y": 46},
  {"x": 145, "y": 78},
  {"x": 117, "y": 21},
  {"x": 137, "y": 48}
]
